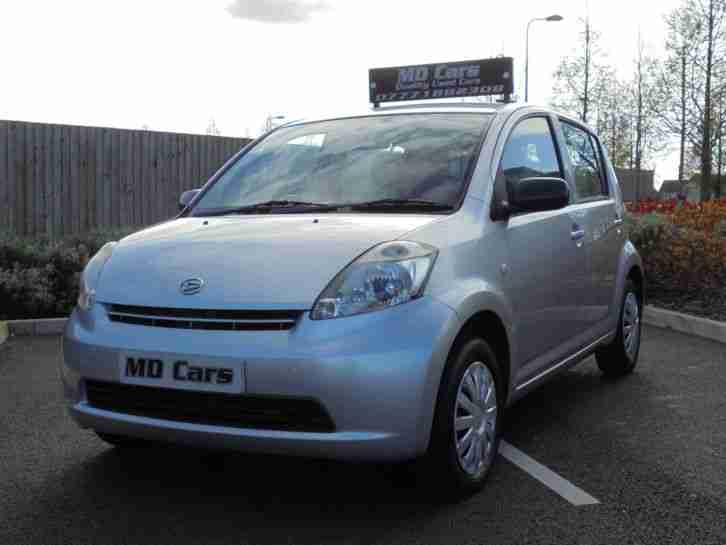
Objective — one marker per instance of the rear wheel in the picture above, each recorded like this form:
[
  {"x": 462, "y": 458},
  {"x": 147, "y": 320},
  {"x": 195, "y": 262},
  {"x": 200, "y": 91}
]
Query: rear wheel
[
  {"x": 465, "y": 434},
  {"x": 620, "y": 357}
]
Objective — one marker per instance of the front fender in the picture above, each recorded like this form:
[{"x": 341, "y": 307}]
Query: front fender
[{"x": 474, "y": 296}]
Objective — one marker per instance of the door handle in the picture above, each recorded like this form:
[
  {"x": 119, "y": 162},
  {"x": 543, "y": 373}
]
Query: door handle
[
  {"x": 577, "y": 233},
  {"x": 618, "y": 221}
]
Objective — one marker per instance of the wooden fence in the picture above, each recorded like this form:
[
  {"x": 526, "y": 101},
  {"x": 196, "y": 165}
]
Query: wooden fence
[{"x": 58, "y": 180}]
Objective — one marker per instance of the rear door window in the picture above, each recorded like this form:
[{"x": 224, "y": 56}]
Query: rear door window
[{"x": 585, "y": 159}]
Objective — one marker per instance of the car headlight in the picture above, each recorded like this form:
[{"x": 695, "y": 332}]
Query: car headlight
[
  {"x": 86, "y": 295},
  {"x": 90, "y": 275},
  {"x": 389, "y": 274}
]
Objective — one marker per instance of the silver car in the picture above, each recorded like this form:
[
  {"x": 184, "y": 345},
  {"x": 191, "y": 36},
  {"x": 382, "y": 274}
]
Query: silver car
[{"x": 376, "y": 287}]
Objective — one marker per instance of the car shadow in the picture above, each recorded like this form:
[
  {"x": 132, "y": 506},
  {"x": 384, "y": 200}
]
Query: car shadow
[
  {"x": 255, "y": 498},
  {"x": 581, "y": 410}
]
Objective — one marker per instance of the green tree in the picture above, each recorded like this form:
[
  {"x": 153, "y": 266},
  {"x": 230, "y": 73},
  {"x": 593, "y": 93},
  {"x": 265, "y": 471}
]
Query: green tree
[
  {"x": 692, "y": 81},
  {"x": 622, "y": 110},
  {"x": 645, "y": 102},
  {"x": 212, "y": 128},
  {"x": 579, "y": 74}
]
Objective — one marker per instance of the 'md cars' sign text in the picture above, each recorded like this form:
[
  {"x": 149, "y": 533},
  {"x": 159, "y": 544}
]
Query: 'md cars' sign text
[{"x": 442, "y": 80}]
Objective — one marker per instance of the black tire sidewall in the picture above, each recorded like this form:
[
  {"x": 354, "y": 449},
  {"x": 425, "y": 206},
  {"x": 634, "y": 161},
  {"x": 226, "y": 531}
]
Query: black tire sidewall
[
  {"x": 613, "y": 360},
  {"x": 122, "y": 441},
  {"x": 442, "y": 450}
]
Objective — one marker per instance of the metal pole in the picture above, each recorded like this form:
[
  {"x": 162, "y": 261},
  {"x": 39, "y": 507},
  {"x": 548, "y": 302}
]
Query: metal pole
[
  {"x": 526, "y": 63},
  {"x": 552, "y": 18}
]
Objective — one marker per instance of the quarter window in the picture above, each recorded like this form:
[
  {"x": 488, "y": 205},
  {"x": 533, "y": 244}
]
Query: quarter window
[
  {"x": 589, "y": 179},
  {"x": 530, "y": 151}
]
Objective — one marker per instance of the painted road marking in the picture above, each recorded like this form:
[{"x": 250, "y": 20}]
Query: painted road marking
[{"x": 560, "y": 485}]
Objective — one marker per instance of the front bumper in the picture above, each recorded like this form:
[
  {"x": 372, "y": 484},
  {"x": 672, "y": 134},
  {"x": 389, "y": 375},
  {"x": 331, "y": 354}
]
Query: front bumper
[{"x": 377, "y": 375}]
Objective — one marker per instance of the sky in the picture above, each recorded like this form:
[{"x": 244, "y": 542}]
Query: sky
[{"x": 174, "y": 65}]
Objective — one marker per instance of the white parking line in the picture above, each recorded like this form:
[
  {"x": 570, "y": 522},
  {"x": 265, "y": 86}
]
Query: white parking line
[{"x": 563, "y": 487}]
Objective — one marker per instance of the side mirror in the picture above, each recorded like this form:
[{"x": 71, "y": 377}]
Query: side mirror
[
  {"x": 537, "y": 194},
  {"x": 186, "y": 198}
]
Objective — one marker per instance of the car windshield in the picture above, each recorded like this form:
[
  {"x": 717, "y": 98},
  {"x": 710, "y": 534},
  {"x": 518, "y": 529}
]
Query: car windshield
[{"x": 388, "y": 161}]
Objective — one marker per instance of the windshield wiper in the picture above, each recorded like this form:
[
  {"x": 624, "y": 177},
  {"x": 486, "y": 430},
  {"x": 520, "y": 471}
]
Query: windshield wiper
[
  {"x": 401, "y": 204},
  {"x": 304, "y": 206},
  {"x": 270, "y": 205}
]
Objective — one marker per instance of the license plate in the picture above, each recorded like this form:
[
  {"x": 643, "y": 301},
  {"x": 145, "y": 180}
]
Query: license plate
[{"x": 182, "y": 373}]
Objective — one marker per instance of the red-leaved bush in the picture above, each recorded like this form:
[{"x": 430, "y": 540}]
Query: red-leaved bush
[{"x": 683, "y": 245}]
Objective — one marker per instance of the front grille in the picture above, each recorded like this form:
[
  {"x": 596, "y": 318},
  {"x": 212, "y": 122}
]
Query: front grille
[
  {"x": 231, "y": 410},
  {"x": 192, "y": 318}
]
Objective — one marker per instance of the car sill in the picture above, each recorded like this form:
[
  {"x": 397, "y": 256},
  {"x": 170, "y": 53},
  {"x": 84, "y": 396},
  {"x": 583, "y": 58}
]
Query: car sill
[{"x": 567, "y": 360}]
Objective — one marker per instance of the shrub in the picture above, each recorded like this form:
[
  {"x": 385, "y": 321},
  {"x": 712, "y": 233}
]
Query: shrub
[
  {"x": 683, "y": 244},
  {"x": 709, "y": 216},
  {"x": 705, "y": 217},
  {"x": 679, "y": 252},
  {"x": 646, "y": 231},
  {"x": 39, "y": 278},
  {"x": 23, "y": 288},
  {"x": 651, "y": 206}
]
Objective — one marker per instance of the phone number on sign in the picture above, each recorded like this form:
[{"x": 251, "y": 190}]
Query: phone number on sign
[{"x": 440, "y": 93}]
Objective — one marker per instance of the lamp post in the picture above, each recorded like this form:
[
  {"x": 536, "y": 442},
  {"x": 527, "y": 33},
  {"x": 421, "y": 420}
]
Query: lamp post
[
  {"x": 270, "y": 119},
  {"x": 550, "y": 19}
]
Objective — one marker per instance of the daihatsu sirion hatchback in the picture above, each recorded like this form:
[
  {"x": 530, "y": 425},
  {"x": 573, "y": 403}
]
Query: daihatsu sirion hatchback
[{"x": 378, "y": 286}]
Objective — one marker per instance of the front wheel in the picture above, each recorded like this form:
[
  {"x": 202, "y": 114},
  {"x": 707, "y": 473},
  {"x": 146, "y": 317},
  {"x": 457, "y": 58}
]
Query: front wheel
[
  {"x": 465, "y": 434},
  {"x": 620, "y": 357},
  {"x": 122, "y": 441}
]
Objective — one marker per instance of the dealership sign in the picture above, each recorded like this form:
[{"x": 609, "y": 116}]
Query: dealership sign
[{"x": 442, "y": 80}]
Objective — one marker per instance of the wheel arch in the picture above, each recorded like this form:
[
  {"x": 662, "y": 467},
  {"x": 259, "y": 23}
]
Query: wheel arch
[
  {"x": 630, "y": 267},
  {"x": 487, "y": 325},
  {"x": 484, "y": 311}
]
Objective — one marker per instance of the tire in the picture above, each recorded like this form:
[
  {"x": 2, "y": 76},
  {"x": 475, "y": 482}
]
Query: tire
[
  {"x": 122, "y": 441},
  {"x": 462, "y": 475},
  {"x": 620, "y": 357}
]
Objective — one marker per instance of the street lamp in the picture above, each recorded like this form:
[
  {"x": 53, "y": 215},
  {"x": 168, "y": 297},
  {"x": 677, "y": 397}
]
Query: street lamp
[
  {"x": 550, "y": 19},
  {"x": 270, "y": 119}
]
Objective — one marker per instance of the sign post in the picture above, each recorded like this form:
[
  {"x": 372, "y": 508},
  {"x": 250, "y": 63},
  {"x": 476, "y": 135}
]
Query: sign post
[{"x": 442, "y": 80}]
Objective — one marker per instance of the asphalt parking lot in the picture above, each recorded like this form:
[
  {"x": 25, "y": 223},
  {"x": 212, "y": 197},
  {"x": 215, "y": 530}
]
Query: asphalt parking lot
[{"x": 650, "y": 448}]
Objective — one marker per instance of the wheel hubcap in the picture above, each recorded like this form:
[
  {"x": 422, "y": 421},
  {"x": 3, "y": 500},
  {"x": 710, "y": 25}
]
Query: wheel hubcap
[
  {"x": 631, "y": 325},
  {"x": 475, "y": 419}
]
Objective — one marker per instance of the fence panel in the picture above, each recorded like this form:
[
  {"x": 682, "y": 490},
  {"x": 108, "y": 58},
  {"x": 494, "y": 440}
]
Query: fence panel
[
  {"x": 4, "y": 185},
  {"x": 58, "y": 180}
]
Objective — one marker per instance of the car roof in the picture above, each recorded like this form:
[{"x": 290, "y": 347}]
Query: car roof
[
  {"x": 443, "y": 107},
  {"x": 420, "y": 107}
]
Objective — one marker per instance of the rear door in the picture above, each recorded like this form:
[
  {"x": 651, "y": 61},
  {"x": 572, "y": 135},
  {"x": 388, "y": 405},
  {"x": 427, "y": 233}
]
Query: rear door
[
  {"x": 545, "y": 258},
  {"x": 600, "y": 222}
]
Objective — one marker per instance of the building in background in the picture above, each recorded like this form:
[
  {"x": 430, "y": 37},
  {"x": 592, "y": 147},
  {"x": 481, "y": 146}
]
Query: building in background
[
  {"x": 671, "y": 189},
  {"x": 693, "y": 187},
  {"x": 636, "y": 185}
]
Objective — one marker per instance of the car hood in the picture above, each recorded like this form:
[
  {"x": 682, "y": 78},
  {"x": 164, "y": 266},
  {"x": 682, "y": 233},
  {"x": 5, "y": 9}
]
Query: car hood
[{"x": 281, "y": 261}]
